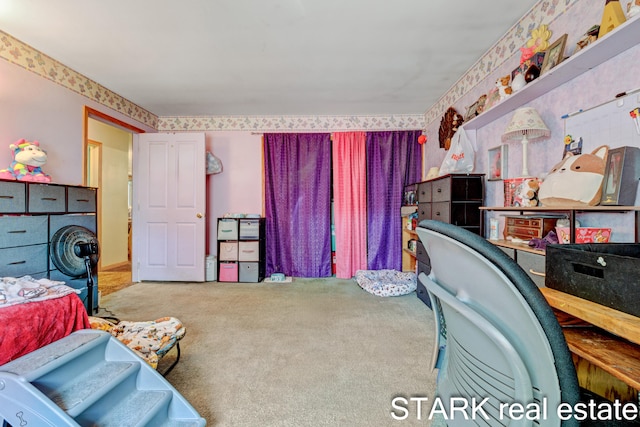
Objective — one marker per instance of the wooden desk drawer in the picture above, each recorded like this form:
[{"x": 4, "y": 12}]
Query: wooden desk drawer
[
  {"x": 523, "y": 232},
  {"x": 22, "y": 230},
  {"x": 526, "y": 222},
  {"x": 528, "y": 228},
  {"x": 13, "y": 197}
]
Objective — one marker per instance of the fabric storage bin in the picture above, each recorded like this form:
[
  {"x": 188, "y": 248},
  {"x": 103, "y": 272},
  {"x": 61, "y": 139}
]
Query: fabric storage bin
[
  {"x": 81, "y": 199},
  {"x": 228, "y": 272},
  {"x": 24, "y": 260},
  {"x": 228, "y": 251},
  {"x": 13, "y": 197},
  {"x": 23, "y": 230},
  {"x": 46, "y": 198},
  {"x": 250, "y": 228},
  {"x": 249, "y": 272},
  {"x": 249, "y": 250},
  {"x": 604, "y": 273},
  {"x": 227, "y": 229}
]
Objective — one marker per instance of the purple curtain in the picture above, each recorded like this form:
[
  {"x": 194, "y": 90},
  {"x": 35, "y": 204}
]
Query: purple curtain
[
  {"x": 394, "y": 159},
  {"x": 298, "y": 204}
]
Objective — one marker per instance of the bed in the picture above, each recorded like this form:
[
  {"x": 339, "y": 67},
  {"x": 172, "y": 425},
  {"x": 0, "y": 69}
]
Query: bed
[{"x": 38, "y": 321}]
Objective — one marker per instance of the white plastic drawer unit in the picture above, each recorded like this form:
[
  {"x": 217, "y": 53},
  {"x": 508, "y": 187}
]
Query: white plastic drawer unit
[
  {"x": 249, "y": 250},
  {"x": 228, "y": 251},
  {"x": 249, "y": 229},
  {"x": 227, "y": 229}
]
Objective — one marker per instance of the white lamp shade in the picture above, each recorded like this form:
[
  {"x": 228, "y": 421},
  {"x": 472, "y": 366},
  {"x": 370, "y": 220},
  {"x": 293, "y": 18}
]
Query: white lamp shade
[
  {"x": 526, "y": 125},
  {"x": 526, "y": 122}
]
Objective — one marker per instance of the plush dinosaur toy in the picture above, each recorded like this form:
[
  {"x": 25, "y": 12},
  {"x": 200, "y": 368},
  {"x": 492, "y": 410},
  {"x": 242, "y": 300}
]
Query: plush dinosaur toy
[{"x": 28, "y": 159}]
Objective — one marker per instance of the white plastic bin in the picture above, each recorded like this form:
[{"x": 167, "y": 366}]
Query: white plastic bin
[{"x": 210, "y": 268}]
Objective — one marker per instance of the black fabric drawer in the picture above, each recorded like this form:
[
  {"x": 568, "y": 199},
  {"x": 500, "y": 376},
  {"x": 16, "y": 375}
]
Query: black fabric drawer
[
  {"x": 421, "y": 254},
  {"x": 424, "y": 211},
  {"x": 424, "y": 192}
]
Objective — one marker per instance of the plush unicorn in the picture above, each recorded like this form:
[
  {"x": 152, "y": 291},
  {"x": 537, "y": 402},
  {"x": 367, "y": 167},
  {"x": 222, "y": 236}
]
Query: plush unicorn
[{"x": 28, "y": 159}]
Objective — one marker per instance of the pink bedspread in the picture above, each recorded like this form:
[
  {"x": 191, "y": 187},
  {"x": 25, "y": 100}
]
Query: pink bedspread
[{"x": 27, "y": 327}]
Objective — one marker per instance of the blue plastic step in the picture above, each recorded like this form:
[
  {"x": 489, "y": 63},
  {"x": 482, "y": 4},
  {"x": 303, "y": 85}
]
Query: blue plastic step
[{"x": 90, "y": 379}]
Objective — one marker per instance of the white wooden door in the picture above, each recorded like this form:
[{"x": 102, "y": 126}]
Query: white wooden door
[{"x": 169, "y": 207}]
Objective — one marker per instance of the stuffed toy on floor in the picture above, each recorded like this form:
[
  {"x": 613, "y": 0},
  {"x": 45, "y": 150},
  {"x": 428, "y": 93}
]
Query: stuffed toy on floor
[{"x": 28, "y": 159}]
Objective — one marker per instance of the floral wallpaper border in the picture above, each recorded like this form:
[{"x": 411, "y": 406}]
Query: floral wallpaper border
[
  {"x": 510, "y": 44},
  {"x": 291, "y": 123},
  {"x": 25, "y": 56}
]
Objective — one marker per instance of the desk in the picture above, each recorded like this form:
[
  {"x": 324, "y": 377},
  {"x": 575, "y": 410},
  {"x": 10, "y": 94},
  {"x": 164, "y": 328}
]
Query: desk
[{"x": 606, "y": 345}]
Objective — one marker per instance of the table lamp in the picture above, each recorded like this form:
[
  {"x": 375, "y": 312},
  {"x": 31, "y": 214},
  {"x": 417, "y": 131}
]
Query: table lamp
[{"x": 526, "y": 125}]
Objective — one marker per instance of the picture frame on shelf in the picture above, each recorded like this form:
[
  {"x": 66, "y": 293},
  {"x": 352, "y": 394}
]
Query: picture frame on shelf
[
  {"x": 621, "y": 173},
  {"x": 555, "y": 54},
  {"x": 498, "y": 156},
  {"x": 472, "y": 111}
]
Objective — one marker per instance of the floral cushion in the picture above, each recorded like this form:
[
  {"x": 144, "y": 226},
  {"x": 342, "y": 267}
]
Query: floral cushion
[
  {"x": 386, "y": 283},
  {"x": 150, "y": 340}
]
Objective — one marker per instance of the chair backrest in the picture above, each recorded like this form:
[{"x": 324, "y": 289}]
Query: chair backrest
[{"x": 501, "y": 338}]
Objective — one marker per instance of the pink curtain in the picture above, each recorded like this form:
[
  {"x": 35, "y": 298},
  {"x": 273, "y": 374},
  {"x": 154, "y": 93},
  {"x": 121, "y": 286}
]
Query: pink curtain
[{"x": 350, "y": 202}]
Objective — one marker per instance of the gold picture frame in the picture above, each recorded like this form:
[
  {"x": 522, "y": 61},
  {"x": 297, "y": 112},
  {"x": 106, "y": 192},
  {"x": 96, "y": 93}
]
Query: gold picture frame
[{"x": 554, "y": 55}]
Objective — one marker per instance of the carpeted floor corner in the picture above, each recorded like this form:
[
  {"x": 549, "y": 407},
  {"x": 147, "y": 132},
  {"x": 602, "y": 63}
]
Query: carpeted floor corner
[{"x": 314, "y": 352}]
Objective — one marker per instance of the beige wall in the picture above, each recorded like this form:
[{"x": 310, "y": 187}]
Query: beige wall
[{"x": 113, "y": 220}]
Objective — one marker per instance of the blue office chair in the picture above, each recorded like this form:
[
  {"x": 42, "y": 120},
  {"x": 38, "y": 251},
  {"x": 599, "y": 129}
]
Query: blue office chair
[{"x": 498, "y": 337}]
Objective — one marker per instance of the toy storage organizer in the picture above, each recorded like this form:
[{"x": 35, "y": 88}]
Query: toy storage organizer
[
  {"x": 36, "y": 216},
  {"x": 241, "y": 249}
]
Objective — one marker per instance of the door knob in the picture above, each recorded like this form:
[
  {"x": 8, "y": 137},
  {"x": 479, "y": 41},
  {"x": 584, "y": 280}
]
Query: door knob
[{"x": 199, "y": 215}]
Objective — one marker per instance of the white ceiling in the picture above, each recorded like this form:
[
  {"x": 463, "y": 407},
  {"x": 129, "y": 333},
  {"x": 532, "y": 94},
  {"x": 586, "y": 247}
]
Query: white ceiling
[{"x": 267, "y": 57}]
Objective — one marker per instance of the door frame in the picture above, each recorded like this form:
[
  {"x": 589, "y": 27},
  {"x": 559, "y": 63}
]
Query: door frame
[
  {"x": 98, "y": 148},
  {"x": 92, "y": 113}
]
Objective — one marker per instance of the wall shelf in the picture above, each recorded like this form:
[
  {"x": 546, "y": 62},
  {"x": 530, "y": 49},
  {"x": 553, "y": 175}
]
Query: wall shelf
[
  {"x": 612, "y": 44},
  {"x": 571, "y": 213}
]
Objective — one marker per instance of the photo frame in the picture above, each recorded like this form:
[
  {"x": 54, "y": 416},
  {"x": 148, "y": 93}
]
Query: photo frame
[
  {"x": 620, "y": 180},
  {"x": 555, "y": 54},
  {"x": 472, "y": 111},
  {"x": 497, "y": 169}
]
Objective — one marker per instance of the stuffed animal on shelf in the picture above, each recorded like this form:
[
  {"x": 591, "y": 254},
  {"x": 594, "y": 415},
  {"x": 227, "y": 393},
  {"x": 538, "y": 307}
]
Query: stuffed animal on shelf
[
  {"x": 526, "y": 193},
  {"x": 576, "y": 180},
  {"x": 504, "y": 86},
  {"x": 28, "y": 159}
]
